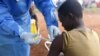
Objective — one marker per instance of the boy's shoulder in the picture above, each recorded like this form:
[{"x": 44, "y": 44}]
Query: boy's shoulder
[{"x": 84, "y": 32}]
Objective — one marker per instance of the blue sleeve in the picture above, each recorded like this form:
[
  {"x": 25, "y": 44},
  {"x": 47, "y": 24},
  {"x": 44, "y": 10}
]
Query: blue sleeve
[
  {"x": 7, "y": 23},
  {"x": 47, "y": 8},
  {"x": 17, "y": 7}
]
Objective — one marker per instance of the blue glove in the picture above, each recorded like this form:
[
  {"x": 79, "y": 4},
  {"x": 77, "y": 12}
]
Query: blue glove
[
  {"x": 30, "y": 38},
  {"x": 53, "y": 32}
]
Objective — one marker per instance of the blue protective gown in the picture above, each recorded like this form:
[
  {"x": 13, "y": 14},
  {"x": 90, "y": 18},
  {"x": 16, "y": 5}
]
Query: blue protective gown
[
  {"x": 48, "y": 10},
  {"x": 14, "y": 19}
]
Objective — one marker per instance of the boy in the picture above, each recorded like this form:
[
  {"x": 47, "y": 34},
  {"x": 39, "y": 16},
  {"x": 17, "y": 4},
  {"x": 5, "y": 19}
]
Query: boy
[{"x": 76, "y": 40}]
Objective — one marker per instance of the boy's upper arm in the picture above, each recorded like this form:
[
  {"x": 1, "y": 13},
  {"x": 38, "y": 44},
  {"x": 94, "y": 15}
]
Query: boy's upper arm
[{"x": 56, "y": 46}]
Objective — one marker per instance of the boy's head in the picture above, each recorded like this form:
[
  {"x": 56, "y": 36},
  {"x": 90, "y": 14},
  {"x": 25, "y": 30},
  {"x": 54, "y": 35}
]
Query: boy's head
[{"x": 70, "y": 14}]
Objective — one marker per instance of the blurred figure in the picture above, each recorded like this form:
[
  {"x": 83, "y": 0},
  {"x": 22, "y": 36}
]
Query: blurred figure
[
  {"x": 77, "y": 39},
  {"x": 98, "y": 3},
  {"x": 47, "y": 8},
  {"x": 85, "y": 3},
  {"x": 15, "y": 36}
]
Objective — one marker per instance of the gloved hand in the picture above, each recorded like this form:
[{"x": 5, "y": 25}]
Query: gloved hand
[
  {"x": 53, "y": 32},
  {"x": 30, "y": 38}
]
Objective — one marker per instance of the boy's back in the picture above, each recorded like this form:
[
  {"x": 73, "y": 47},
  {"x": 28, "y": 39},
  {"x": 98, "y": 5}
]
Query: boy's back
[
  {"x": 81, "y": 42},
  {"x": 77, "y": 40}
]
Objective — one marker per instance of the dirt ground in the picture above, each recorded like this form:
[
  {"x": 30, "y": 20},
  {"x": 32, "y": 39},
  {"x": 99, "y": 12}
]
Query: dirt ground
[{"x": 92, "y": 20}]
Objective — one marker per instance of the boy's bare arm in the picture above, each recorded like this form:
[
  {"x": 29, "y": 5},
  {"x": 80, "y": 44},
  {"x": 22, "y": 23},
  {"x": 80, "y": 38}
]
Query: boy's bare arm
[{"x": 56, "y": 46}]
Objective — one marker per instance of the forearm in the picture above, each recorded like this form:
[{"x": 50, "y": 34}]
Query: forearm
[
  {"x": 50, "y": 17},
  {"x": 47, "y": 8}
]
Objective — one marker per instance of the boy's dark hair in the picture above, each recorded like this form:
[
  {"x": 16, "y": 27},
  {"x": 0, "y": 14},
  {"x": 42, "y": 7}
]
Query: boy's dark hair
[{"x": 71, "y": 7}]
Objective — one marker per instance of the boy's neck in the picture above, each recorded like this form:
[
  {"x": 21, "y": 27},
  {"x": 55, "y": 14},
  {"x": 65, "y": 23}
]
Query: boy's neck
[{"x": 80, "y": 24}]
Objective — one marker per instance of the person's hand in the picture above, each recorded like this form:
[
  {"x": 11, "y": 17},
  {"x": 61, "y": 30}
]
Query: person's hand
[
  {"x": 30, "y": 38},
  {"x": 53, "y": 32}
]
